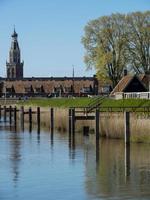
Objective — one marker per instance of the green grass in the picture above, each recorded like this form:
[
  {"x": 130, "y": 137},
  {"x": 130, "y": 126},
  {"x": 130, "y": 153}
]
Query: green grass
[
  {"x": 127, "y": 104},
  {"x": 83, "y": 102},
  {"x": 58, "y": 102}
]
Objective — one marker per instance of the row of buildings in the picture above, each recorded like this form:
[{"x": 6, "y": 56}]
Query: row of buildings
[{"x": 16, "y": 85}]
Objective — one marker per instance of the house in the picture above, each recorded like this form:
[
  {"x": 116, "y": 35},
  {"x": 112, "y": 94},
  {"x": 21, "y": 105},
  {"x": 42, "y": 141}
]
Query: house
[
  {"x": 145, "y": 79},
  {"x": 130, "y": 84}
]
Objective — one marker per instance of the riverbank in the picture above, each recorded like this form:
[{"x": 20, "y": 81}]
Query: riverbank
[
  {"x": 111, "y": 123},
  {"x": 84, "y": 102}
]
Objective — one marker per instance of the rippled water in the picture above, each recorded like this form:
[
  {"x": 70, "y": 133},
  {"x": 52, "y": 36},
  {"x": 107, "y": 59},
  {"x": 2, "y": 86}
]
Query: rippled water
[{"x": 40, "y": 167}]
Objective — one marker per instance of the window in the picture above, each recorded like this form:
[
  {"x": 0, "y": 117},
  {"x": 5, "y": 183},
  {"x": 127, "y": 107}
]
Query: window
[
  {"x": 13, "y": 73},
  {"x": 8, "y": 73},
  {"x": 15, "y": 45}
]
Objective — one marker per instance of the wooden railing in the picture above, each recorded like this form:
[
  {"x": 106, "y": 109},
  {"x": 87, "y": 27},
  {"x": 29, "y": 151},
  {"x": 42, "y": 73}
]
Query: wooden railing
[
  {"x": 94, "y": 104},
  {"x": 132, "y": 95}
]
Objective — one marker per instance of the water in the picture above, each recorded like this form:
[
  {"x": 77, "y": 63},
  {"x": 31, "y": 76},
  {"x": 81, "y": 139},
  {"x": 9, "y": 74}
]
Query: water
[{"x": 40, "y": 167}]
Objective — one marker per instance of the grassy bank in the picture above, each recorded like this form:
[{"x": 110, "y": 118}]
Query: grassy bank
[
  {"x": 111, "y": 123},
  {"x": 83, "y": 102},
  {"x": 57, "y": 102}
]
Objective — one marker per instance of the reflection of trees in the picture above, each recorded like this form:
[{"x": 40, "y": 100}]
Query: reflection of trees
[{"x": 108, "y": 178}]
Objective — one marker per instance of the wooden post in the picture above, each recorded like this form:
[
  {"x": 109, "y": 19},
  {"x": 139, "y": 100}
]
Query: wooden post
[
  {"x": 73, "y": 132},
  {"x": 97, "y": 124},
  {"x": 10, "y": 114},
  {"x": 127, "y": 127},
  {"x": 73, "y": 121},
  {"x": 30, "y": 115},
  {"x": 69, "y": 120},
  {"x": 0, "y": 112},
  {"x": 52, "y": 120},
  {"x": 70, "y": 111},
  {"x": 15, "y": 115},
  {"x": 73, "y": 145},
  {"x": 30, "y": 119},
  {"x": 5, "y": 113},
  {"x": 97, "y": 151},
  {"x": 22, "y": 117},
  {"x": 38, "y": 119},
  {"x": 86, "y": 130}
]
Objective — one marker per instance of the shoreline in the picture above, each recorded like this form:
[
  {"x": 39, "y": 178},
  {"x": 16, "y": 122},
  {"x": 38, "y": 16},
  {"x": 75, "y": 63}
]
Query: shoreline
[{"x": 111, "y": 124}]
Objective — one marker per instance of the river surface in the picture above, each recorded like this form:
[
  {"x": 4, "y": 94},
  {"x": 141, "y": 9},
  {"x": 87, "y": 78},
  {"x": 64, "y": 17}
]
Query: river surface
[{"x": 37, "y": 166}]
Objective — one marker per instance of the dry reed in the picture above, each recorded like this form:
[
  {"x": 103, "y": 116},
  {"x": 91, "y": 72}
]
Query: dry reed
[{"x": 111, "y": 124}]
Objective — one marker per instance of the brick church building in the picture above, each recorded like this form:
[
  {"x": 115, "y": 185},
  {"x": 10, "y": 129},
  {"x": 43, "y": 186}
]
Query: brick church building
[{"x": 16, "y": 85}]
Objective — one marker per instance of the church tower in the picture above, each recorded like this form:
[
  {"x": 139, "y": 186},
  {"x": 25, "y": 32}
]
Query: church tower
[{"x": 14, "y": 66}]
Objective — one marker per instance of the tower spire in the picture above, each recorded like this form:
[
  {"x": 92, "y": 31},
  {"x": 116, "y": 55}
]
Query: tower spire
[
  {"x": 14, "y": 66},
  {"x": 14, "y": 35}
]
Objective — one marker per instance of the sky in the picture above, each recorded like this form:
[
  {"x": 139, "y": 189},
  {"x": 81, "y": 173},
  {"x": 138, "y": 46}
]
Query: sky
[{"x": 50, "y": 32}]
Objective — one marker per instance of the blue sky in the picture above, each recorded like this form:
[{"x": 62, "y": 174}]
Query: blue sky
[{"x": 50, "y": 32}]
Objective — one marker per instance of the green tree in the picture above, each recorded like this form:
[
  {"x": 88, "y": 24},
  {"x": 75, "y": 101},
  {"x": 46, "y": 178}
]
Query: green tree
[
  {"x": 105, "y": 41},
  {"x": 138, "y": 26}
]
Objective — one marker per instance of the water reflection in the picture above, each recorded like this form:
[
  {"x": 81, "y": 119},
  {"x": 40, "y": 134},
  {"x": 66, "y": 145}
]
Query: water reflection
[
  {"x": 127, "y": 161},
  {"x": 52, "y": 138},
  {"x": 38, "y": 137},
  {"x": 22, "y": 123},
  {"x": 72, "y": 146},
  {"x": 15, "y": 154},
  {"x": 119, "y": 171},
  {"x": 97, "y": 151},
  {"x": 38, "y": 129},
  {"x": 69, "y": 140},
  {"x": 30, "y": 127},
  {"x": 104, "y": 169}
]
